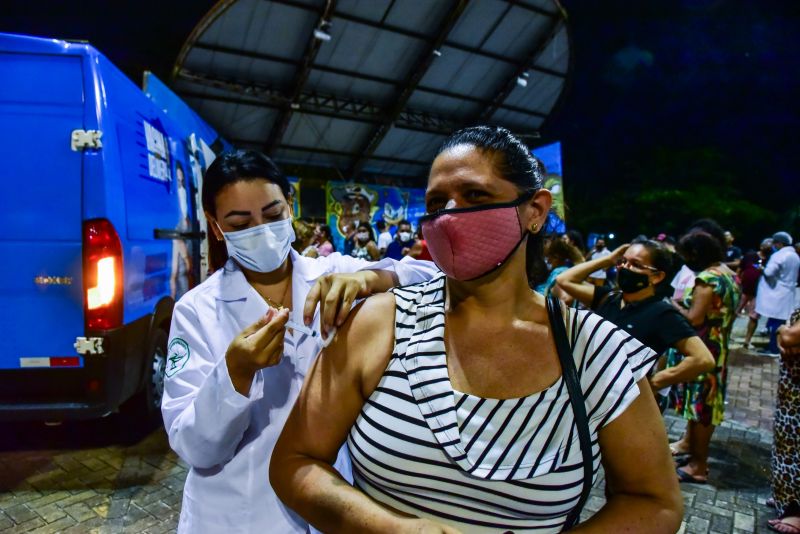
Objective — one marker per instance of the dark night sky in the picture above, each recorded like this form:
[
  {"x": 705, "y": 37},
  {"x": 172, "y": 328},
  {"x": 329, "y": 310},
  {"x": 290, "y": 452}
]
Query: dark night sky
[{"x": 656, "y": 86}]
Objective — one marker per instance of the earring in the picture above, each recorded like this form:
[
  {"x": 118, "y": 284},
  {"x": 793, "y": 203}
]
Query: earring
[{"x": 534, "y": 228}]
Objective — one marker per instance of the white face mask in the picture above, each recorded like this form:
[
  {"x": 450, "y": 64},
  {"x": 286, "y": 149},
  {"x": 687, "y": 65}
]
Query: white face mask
[
  {"x": 261, "y": 248},
  {"x": 404, "y": 236},
  {"x": 362, "y": 236}
]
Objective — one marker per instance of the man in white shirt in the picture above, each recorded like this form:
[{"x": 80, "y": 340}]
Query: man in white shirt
[
  {"x": 776, "y": 288},
  {"x": 598, "y": 277},
  {"x": 384, "y": 237}
]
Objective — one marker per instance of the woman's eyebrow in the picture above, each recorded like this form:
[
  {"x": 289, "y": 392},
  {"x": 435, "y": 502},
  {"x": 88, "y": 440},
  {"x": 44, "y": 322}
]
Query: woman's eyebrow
[
  {"x": 268, "y": 206},
  {"x": 232, "y": 213}
]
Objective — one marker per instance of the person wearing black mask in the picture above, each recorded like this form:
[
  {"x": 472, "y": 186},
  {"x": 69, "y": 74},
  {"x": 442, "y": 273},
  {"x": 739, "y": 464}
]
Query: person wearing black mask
[{"x": 636, "y": 308}]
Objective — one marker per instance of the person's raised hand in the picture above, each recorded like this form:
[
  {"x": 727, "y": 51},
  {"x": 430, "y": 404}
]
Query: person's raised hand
[{"x": 615, "y": 256}]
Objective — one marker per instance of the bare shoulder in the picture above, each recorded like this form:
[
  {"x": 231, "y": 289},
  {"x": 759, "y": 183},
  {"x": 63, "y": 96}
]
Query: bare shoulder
[{"x": 365, "y": 341}]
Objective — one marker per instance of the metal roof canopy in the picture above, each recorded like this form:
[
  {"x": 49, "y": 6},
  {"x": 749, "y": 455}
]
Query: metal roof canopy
[{"x": 372, "y": 86}]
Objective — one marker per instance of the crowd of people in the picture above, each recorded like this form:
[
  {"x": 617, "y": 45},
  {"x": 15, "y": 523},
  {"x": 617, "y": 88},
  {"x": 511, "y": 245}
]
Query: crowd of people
[
  {"x": 315, "y": 239},
  {"x": 476, "y": 392}
]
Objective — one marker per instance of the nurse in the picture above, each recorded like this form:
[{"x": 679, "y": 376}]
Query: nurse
[
  {"x": 242, "y": 342},
  {"x": 776, "y": 288}
]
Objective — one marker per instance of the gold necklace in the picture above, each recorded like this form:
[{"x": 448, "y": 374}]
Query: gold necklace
[{"x": 277, "y": 305}]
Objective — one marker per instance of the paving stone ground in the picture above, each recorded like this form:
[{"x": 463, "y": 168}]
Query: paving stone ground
[{"x": 102, "y": 476}]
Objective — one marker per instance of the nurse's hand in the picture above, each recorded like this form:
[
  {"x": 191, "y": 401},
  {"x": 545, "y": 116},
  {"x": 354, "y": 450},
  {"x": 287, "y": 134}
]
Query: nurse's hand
[
  {"x": 258, "y": 346},
  {"x": 335, "y": 294}
]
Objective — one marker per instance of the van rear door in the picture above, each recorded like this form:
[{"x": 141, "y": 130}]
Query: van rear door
[{"x": 41, "y": 298}]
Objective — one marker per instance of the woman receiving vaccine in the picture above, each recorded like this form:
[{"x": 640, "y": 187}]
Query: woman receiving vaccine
[{"x": 242, "y": 342}]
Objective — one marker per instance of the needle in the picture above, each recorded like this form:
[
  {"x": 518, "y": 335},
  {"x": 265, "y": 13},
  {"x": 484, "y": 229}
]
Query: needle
[{"x": 302, "y": 329}]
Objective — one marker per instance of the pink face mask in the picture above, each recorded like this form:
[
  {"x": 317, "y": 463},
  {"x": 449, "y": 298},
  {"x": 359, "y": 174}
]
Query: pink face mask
[{"x": 468, "y": 243}]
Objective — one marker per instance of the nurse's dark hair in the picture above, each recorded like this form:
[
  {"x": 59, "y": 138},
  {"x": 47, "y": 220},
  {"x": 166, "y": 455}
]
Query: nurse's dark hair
[
  {"x": 512, "y": 160},
  {"x": 236, "y": 166},
  {"x": 229, "y": 168}
]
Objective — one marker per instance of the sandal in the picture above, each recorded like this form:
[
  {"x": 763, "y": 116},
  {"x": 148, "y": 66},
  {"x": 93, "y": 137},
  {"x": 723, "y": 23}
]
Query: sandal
[
  {"x": 682, "y": 461},
  {"x": 779, "y": 525},
  {"x": 683, "y": 476}
]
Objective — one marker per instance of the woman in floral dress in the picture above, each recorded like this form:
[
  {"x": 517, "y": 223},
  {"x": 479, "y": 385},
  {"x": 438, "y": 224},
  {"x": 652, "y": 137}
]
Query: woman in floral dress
[{"x": 710, "y": 306}]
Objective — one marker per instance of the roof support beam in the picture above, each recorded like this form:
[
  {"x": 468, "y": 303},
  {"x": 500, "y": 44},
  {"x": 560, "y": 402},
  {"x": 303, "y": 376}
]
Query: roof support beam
[
  {"x": 503, "y": 92},
  {"x": 311, "y": 103},
  {"x": 424, "y": 37},
  {"x": 303, "y": 70},
  {"x": 533, "y": 9},
  {"x": 358, "y": 76},
  {"x": 388, "y": 159},
  {"x": 424, "y": 61},
  {"x": 329, "y": 152}
]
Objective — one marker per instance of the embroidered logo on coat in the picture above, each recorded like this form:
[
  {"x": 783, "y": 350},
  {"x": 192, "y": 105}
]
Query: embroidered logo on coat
[{"x": 177, "y": 356}]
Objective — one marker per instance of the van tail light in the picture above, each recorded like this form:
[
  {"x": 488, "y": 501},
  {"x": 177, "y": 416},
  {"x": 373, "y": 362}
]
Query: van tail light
[{"x": 102, "y": 275}]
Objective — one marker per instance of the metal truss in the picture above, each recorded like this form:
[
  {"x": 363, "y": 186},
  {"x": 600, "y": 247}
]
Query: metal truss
[
  {"x": 313, "y": 103},
  {"x": 417, "y": 71},
  {"x": 300, "y": 77}
]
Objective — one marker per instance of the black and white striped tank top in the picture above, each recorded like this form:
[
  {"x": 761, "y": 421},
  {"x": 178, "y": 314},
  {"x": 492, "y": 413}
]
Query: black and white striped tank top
[{"x": 485, "y": 465}]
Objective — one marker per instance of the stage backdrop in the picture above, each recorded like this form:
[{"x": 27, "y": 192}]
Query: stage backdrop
[
  {"x": 294, "y": 181},
  {"x": 550, "y": 156},
  {"x": 350, "y": 203}
]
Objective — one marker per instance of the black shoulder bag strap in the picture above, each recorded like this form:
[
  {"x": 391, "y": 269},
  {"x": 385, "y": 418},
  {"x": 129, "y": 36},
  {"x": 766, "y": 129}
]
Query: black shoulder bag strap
[{"x": 577, "y": 401}]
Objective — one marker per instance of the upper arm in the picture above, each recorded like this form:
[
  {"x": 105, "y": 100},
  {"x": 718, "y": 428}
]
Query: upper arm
[
  {"x": 340, "y": 380},
  {"x": 702, "y": 295},
  {"x": 790, "y": 335},
  {"x": 639, "y": 433},
  {"x": 189, "y": 362}
]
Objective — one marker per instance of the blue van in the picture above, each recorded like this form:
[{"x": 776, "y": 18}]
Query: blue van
[{"x": 100, "y": 229}]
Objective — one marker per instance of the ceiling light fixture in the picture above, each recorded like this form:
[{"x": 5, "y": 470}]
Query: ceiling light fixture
[{"x": 321, "y": 33}]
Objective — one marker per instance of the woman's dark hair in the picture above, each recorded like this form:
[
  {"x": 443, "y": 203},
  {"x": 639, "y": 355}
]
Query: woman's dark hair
[
  {"x": 660, "y": 256},
  {"x": 662, "y": 259},
  {"x": 514, "y": 162},
  {"x": 326, "y": 231},
  {"x": 179, "y": 167},
  {"x": 701, "y": 249},
  {"x": 229, "y": 168},
  {"x": 576, "y": 238},
  {"x": 712, "y": 228},
  {"x": 561, "y": 250}
]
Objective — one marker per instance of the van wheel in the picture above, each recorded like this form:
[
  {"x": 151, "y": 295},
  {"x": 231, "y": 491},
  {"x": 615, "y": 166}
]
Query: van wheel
[
  {"x": 154, "y": 379},
  {"x": 141, "y": 414}
]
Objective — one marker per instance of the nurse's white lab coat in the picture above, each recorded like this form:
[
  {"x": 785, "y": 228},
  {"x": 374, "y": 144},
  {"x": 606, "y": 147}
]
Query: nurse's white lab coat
[
  {"x": 775, "y": 293},
  {"x": 228, "y": 438}
]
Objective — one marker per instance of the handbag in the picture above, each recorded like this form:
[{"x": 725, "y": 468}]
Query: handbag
[{"x": 577, "y": 401}]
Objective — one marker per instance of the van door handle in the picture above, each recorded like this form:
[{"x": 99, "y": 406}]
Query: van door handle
[{"x": 163, "y": 233}]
